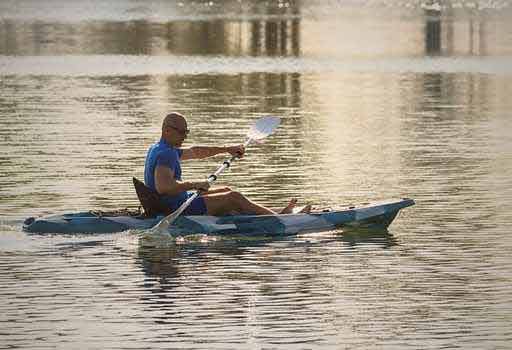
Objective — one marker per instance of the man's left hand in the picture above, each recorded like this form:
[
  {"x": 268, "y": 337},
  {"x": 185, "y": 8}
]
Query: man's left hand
[{"x": 238, "y": 150}]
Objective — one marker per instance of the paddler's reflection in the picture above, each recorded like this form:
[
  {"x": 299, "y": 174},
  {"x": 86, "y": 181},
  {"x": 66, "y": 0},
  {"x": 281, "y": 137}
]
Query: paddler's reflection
[{"x": 160, "y": 263}]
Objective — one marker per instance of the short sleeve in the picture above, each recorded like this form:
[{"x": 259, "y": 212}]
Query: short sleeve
[{"x": 167, "y": 159}]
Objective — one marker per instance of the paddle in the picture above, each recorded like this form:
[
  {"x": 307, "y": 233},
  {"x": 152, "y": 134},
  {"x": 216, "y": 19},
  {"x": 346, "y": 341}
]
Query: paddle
[{"x": 261, "y": 129}]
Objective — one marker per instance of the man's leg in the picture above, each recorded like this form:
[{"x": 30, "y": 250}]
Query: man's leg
[
  {"x": 224, "y": 203},
  {"x": 216, "y": 190}
]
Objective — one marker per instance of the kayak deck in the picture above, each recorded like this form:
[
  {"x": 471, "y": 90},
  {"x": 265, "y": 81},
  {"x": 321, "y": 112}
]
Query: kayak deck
[{"x": 377, "y": 214}]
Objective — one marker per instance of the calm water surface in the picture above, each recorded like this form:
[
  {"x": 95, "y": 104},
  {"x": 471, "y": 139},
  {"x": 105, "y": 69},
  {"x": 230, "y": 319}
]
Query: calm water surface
[{"x": 382, "y": 100}]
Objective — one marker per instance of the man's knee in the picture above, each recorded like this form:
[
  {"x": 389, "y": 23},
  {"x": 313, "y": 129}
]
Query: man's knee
[
  {"x": 235, "y": 196},
  {"x": 227, "y": 202}
]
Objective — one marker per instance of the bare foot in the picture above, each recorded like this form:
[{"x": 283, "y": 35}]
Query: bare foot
[
  {"x": 289, "y": 208},
  {"x": 304, "y": 210}
]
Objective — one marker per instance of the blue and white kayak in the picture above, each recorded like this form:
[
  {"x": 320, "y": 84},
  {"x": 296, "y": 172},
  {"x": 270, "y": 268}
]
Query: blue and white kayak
[{"x": 373, "y": 215}]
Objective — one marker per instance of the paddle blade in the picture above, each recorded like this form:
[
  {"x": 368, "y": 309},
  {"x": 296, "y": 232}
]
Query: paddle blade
[
  {"x": 163, "y": 225},
  {"x": 263, "y": 127}
]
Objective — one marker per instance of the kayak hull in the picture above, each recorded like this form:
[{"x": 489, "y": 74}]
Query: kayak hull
[{"x": 378, "y": 214}]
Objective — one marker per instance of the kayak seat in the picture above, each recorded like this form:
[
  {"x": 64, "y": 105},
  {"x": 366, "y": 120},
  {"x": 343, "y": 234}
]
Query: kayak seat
[{"x": 150, "y": 200}]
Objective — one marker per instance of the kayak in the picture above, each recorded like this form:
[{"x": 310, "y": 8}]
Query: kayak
[{"x": 373, "y": 215}]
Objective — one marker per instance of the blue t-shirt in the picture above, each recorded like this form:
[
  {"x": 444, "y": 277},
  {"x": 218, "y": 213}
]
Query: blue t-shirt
[{"x": 163, "y": 154}]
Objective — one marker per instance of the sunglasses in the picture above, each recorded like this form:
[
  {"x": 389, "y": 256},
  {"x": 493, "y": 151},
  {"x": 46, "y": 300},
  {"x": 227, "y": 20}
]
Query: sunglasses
[{"x": 181, "y": 131}]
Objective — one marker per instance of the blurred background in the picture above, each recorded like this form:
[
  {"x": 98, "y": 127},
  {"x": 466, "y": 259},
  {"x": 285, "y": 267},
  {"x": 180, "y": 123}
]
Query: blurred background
[{"x": 378, "y": 99}]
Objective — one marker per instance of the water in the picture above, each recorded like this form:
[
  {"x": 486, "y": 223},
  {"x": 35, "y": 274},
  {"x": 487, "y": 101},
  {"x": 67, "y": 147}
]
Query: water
[{"x": 385, "y": 99}]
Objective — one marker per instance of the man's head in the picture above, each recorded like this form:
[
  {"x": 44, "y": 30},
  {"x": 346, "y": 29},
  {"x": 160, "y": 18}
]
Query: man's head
[{"x": 174, "y": 129}]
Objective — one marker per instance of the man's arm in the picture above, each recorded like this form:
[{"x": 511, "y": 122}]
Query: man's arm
[
  {"x": 166, "y": 184},
  {"x": 201, "y": 152}
]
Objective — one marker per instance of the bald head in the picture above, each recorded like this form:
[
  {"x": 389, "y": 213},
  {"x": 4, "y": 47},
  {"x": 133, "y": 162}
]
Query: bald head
[
  {"x": 174, "y": 120},
  {"x": 174, "y": 129}
]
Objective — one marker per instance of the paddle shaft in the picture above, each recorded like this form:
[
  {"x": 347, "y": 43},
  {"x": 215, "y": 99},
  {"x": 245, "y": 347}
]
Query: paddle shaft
[{"x": 212, "y": 178}]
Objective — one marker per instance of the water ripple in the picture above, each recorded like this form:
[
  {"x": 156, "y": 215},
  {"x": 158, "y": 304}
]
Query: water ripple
[{"x": 139, "y": 65}]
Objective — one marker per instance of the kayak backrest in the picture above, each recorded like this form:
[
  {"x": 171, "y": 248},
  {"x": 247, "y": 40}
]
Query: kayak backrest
[{"x": 150, "y": 200}]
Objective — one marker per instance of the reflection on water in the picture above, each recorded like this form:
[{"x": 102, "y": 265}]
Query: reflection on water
[
  {"x": 266, "y": 29},
  {"x": 377, "y": 100},
  {"x": 218, "y": 37},
  {"x": 433, "y": 33}
]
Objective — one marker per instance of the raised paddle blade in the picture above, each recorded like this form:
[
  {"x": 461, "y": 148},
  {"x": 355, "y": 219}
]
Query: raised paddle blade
[{"x": 263, "y": 127}]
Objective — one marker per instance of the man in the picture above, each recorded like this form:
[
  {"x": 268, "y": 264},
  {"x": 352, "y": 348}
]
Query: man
[{"x": 162, "y": 173}]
